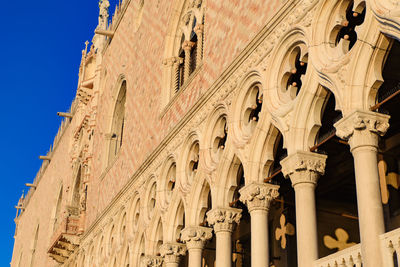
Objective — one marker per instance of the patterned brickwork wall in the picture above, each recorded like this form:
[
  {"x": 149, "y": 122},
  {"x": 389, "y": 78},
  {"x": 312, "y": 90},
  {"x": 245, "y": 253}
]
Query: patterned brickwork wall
[
  {"x": 229, "y": 27},
  {"x": 41, "y": 208}
]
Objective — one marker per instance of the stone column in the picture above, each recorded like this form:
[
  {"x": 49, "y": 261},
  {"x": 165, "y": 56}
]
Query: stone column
[
  {"x": 199, "y": 29},
  {"x": 362, "y": 130},
  {"x": 223, "y": 220},
  {"x": 187, "y": 47},
  {"x": 303, "y": 169},
  {"x": 258, "y": 197},
  {"x": 152, "y": 261},
  {"x": 172, "y": 253},
  {"x": 195, "y": 238}
]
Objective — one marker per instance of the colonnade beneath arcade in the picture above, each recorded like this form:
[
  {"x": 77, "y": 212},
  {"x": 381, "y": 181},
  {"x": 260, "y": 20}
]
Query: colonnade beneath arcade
[{"x": 362, "y": 130}]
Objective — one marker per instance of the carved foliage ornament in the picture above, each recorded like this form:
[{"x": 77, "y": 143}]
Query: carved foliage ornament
[
  {"x": 152, "y": 261},
  {"x": 195, "y": 237},
  {"x": 223, "y": 219},
  {"x": 172, "y": 252},
  {"x": 258, "y": 196},
  {"x": 362, "y": 120},
  {"x": 304, "y": 167}
]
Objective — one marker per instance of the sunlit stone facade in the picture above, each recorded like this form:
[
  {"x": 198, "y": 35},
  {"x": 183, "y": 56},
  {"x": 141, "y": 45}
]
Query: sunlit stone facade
[{"x": 226, "y": 133}]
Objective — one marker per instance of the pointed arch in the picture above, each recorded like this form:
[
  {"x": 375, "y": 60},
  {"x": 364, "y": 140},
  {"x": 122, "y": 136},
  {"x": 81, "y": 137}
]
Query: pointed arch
[{"x": 118, "y": 122}]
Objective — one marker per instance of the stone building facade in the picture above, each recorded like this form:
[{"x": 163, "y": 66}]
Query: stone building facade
[{"x": 226, "y": 133}]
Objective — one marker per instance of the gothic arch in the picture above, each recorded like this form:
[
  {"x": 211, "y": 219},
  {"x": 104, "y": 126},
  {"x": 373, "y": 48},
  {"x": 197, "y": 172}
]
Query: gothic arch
[
  {"x": 175, "y": 219},
  {"x": 177, "y": 33},
  {"x": 199, "y": 202},
  {"x": 214, "y": 139},
  {"x": 117, "y": 119},
  {"x": 188, "y": 162}
]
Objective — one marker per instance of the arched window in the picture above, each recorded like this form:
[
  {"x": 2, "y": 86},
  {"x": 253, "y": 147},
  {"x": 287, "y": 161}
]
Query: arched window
[
  {"x": 76, "y": 197},
  {"x": 58, "y": 209},
  {"x": 118, "y": 121},
  {"x": 191, "y": 46},
  {"x": 184, "y": 45},
  {"x": 34, "y": 245}
]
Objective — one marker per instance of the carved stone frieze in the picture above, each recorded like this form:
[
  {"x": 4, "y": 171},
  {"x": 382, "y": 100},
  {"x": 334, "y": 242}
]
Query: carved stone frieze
[
  {"x": 304, "y": 167},
  {"x": 152, "y": 261},
  {"x": 196, "y": 237},
  {"x": 362, "y": 128},
  {"x": 258, "y": 196},
  {"x": 224, "y": 219},
  {"x": 172, "y": 252}
]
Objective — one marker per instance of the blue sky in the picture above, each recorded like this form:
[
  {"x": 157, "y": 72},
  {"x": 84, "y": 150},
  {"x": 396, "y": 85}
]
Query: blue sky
[{"x": 41, "y": 43}]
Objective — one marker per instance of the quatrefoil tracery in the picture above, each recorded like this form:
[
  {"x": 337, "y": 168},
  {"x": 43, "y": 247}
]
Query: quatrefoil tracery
[
  {"x": 344, "y": 33},
  {"x": 221, "y": 135},
  {"x": 295, "y": 68},
  {"x": 253, "y": 105},
  {"x": 193, "y": 159}
]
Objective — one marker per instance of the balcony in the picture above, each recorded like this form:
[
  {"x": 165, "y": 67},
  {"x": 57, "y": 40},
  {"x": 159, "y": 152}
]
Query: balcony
[
  {"x": 65, "y": 239},
  {"x": 351, "y": 257}
]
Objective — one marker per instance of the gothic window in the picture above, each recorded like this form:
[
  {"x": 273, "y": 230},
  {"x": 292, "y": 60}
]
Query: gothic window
[
  {"x": 58, "y": 208},
  {"x": 34, "y": 245},
  {"x": 76, "y": 197},
  {"x": 118, "y": 121},
  {"x": 190, "y": 38}
]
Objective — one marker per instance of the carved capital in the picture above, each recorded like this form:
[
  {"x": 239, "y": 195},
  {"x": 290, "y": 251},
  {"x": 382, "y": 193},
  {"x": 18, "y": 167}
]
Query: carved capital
[
  {"x": 152, "y": 261},
  {"x": 362, "y": 128},
  {"x": 196, "y": 237},
  {"x": 172, "y": 252},
  {"x": 199, "y": 29},
  {"x": 187, "y": 45},
  {"x": 258, "y": 196},
  {"x": 172, "y": 61},
  {"x": 304, "y": 167},
  {"x": 224, "y": 219}
]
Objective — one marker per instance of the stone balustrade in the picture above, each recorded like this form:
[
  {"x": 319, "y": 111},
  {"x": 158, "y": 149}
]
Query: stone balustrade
[
  {"x": 350, "y": 257},
  {"x": 390, "y": 244}
]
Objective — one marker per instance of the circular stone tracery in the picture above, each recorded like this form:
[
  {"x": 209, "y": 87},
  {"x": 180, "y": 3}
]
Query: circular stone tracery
[
  {"x": 193, "y": 161},
  {"x": 252, "y": 106},
  {"x": 344, "y": 32},
  {"x": 293, "y": 69}
]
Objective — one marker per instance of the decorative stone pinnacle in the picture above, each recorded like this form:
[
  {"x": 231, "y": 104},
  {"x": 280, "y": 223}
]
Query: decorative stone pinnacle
[
  {"x": 362, "y": 128},
  {"x": 172, "y": 252},
  {"x": 152, "y": 261},
  {"x": 304, "y": 167},
  {"x": 196, "y": 236},
  {"x": 258, "y": 196},
  {"x": 223, "y": 219}
]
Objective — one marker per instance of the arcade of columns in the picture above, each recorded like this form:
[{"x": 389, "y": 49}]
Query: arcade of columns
[{"x": 170, "y": 193}]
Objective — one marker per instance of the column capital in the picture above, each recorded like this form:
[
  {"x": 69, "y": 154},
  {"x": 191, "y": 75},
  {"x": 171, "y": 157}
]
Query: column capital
[
  {"x": 362, "y": 128},
  {"x": 172, "y": 61},
  {"x": 172, "y": 252},
  {"x": 223, "y": 219},
  {"x": 303, "y": 167},
  {"x": 152, "y": 261},
  {"x": 187, "y": 45},
  {"x": 198, "y": 29},
  {"x": 258, "y": 196},
  {"x": 195, "y": 237}
]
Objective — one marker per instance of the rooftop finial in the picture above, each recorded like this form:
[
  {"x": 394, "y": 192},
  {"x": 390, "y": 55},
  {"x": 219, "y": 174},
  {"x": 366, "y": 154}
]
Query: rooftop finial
[{"x": 103, "y": 15}]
